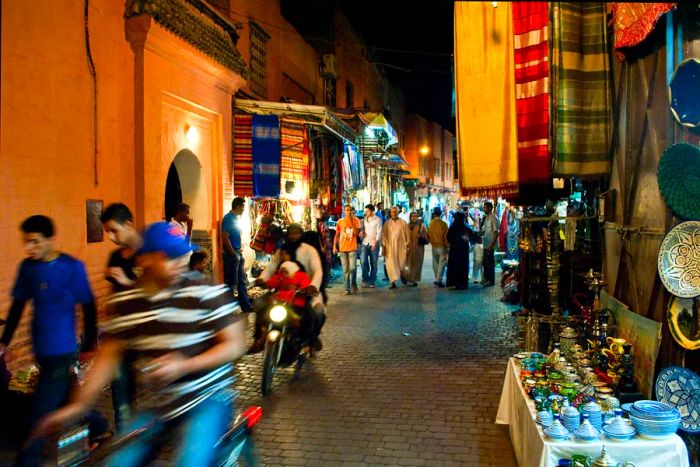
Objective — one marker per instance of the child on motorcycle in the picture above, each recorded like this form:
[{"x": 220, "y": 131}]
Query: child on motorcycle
[{"x": 288, "y": 281}]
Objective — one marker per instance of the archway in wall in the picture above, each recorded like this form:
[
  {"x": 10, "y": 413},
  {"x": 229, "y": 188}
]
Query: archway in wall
[{"x": 186, "y": 184}]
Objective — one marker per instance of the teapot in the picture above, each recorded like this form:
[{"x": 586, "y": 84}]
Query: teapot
[{"x": 601, "y": 461}]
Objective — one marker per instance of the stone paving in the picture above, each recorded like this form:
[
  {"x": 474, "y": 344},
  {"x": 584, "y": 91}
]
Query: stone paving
[{"x": 410, "y": 376}]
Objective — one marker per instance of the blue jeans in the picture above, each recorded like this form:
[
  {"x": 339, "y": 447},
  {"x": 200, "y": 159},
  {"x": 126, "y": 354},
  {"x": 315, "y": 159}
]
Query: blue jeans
[
  {"x": 235, "y": 277},
  {"x": 197, "y": 432},
  {"x": 369, "y": 264},
  {"x": 349, "y": 261}
]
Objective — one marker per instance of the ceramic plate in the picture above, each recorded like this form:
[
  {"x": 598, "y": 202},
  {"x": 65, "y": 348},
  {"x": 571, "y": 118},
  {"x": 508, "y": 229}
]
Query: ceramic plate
[
  {"x": 679, "y": 260},
  {"x": 680, "y": 388},
  {"x": 678, "y": 178},
  {"x": 684, "y": 93},
  {"x": 684, "y": 321}
]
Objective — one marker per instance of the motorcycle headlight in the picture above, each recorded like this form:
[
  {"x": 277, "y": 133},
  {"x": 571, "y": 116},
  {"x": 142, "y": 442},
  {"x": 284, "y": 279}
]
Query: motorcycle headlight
[{"x": 278, "y": 313}]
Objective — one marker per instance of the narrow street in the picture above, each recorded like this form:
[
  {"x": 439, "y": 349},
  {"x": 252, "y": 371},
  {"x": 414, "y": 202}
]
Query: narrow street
[{"x": 410, "y": 376}]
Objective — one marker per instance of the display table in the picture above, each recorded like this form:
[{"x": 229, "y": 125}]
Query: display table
[{"x": 533, "y": 448}]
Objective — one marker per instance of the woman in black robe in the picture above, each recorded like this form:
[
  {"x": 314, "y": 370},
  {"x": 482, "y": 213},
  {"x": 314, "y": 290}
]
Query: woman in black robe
[{"x": 458, "y": 236}]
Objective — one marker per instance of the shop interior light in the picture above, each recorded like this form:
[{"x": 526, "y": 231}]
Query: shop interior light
[{"x": 191, "y": 135}]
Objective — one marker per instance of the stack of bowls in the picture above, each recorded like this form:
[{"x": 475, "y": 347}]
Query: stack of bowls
[
  {"x": 654, "y": 419},
  {"x": 570, "y": 417},
  {"x": 544, "y": 418},
  {"x": 595, "y": 414},
  {"x": 618, "y": 429}
]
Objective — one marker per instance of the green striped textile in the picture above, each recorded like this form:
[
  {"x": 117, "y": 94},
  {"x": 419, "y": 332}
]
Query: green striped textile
[{"x": 581, "y": 89}]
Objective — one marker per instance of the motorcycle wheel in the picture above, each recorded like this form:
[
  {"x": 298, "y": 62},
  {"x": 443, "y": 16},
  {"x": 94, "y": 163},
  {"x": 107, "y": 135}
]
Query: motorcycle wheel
[{"x": 269, "y": 365}]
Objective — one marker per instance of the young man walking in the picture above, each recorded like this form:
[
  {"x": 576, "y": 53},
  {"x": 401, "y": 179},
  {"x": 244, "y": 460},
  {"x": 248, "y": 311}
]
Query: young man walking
[
  {"x": 185, "y": 341},
  {"x": 345, "y": 244},
  {"x": 122, "y": 273},
  {"x": 371, "y": 241},
  {"x": 489, "y": 239},
  {"x": 234, "y": 263},
  {"x": 437, "y": 233},
  {"x": 55, "y": 283}
]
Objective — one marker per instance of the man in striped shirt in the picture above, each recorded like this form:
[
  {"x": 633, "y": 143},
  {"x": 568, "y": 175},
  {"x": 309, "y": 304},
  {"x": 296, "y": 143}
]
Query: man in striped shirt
[{"x": 185, "y": 340}]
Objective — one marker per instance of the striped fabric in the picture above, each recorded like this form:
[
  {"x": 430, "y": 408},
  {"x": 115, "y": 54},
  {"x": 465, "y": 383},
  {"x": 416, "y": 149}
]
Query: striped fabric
[
  {"x": 295, "y": 156},
  {"x": 243, "y": 155},
  {"x": 532, "y": 90},
  {"x": 581, "y": 89},
  {"x": 184, "y": 320}
]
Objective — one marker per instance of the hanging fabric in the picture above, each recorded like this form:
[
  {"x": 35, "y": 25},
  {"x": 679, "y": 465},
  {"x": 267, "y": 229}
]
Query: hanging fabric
[
  {"x": 531, "y": 44},
  {"x": 266, "y": 156},
  {"x": 293, "y": 157},
  {"x": 581, "y": 89},
  {"x": 633, "y": 22},
  {"x": 243, "y": 155},
  {"x": 485, "y": 106}
]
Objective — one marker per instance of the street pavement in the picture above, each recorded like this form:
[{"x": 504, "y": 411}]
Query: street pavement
[{"x": 410, "y": 376}]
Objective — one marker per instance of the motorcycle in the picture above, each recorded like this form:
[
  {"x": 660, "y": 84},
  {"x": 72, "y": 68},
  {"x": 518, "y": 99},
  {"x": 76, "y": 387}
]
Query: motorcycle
[
  {"x": 232, "y": 448},
  {"x": 284, "y": 343}
]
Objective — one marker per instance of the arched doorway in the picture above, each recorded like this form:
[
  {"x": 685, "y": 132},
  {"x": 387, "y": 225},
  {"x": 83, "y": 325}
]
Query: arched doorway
[{"x": 186, "y": 184}]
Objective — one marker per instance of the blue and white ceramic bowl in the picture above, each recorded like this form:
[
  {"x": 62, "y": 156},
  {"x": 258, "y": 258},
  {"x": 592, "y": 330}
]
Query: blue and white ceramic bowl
[
  {"x": 544, "y": 418},
  {"x": 618, "y": 429},
  {"x": 653, "y": 410},
  {"x": 655, "y": 429}
]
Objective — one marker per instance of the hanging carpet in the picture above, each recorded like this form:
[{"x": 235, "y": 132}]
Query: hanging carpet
[
  {"x": 295, "y": 160},
  {"x": 243, "y": 155},
  {"x": 266, "y": 156},
  {"x": 581, "y": 89}
]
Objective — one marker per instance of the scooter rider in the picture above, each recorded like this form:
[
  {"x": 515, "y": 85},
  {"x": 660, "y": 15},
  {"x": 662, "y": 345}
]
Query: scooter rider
[
  {"x": 185, "y": 340},
  {"x": 309, "y": 259}
]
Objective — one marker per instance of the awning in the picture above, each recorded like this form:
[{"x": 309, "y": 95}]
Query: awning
[
  {"x": 308, "y": 114},
  {"x": 377, "y": 123}
]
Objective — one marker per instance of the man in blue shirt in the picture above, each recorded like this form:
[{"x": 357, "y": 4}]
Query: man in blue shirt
[
  {"x": 55, "y": 283},
  {"x": 234, "y": 263}
]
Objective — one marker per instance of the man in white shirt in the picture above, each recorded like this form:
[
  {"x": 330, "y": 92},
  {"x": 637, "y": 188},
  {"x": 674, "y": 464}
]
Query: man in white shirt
[
  {"x": 371, "y": 242},
  {"x": 489, "y": 232},
  {"x": 405, "y": 215},
  {"x": 182, "y": 220}
]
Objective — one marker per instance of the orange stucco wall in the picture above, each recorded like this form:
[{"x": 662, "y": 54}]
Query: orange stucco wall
[{"x": 143, "y": 108}]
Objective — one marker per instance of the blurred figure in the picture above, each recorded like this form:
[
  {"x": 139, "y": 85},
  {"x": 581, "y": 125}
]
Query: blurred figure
[
  {"x": 458, "y": 236},
  {"x": 185, "y": 342},
  {"x": 405, "y": 215},
  {"x": 395, "y": 243},
  {"x": 437, "y": 233},
  {"x": 55, "y": 283},
  {"x": 489, "y": 235}
]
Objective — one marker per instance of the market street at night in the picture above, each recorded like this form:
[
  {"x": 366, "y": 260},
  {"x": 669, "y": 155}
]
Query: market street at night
[{"x": 410, "y": 376}]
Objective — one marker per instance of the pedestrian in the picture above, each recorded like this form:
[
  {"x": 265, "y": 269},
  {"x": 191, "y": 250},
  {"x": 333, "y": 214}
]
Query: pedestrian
[
  {"x": 418, "y": 238},
  {"x": 371, "y": 241},
  {"x": 234, "y": 263},
  {"x": 183, "y": 221},
  {"x": 118, "y": 222},
  {"x": 395, "y": 245},
  {"x": 458, "y": 237},
  {"x": 185, "y": 341},
  {"x": 326, "y": 238},
  {"x": 437, "y": 233},
  {"x": 379, "y": 211},
  {"x": 489, "y": 234},
  {"x": 473, "y": 220},
  {"x": 405, "y": 215},
  {"x": 345, "y": 245},
  {"x": 55, "y": 283}
]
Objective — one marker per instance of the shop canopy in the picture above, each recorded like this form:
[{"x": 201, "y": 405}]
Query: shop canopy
[{"x": 308, "y": 114}]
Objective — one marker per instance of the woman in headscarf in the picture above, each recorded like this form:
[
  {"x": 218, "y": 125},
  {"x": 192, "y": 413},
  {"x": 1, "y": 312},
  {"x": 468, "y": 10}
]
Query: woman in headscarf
[
  {"x": 458, "y": 236},
  {"x": 416, "y": 249}
]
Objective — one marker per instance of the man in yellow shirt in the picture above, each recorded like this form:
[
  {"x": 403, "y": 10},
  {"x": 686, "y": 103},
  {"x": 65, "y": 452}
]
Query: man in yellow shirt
[
  {"x": 345, "y": 244},
  {"x": 437, "y": 232}
]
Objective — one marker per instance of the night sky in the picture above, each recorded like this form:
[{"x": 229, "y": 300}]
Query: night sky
[{"x": 423, "y": 28}]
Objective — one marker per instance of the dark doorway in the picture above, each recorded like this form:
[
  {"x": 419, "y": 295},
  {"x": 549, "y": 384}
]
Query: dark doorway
[{"x": 173, "y": 192}]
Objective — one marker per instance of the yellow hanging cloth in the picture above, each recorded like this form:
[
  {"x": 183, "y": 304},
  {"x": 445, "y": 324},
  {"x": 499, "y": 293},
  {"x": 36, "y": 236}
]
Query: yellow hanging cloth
[{"x": 485, "y": 99}]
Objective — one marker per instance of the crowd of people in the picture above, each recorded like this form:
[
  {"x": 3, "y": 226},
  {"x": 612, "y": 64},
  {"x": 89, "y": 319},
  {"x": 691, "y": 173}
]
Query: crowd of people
[{"x": 173, "y": 331}]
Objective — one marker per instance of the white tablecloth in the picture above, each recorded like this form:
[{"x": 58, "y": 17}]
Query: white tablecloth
[{"x": 533, "y": 448}]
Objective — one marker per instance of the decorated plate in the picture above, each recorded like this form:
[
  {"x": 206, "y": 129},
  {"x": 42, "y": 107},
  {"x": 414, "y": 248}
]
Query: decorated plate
[
  {"x": 684, "y": 93},
  {"x": 679, "y": 260},
  {"x": 679, "y": 180},
  {"x": 680, "y": 388},
  {"x": 684, "y": 321}
]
